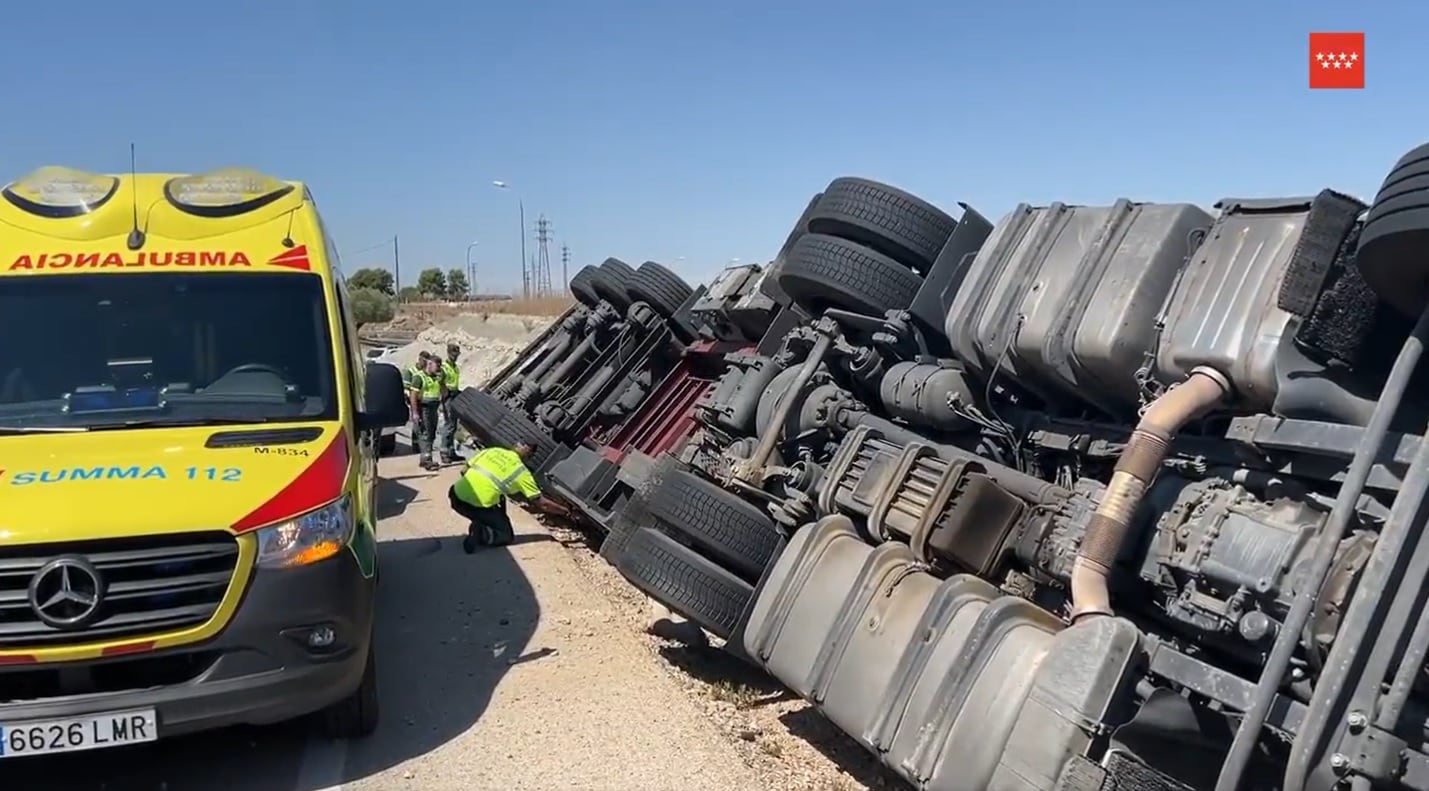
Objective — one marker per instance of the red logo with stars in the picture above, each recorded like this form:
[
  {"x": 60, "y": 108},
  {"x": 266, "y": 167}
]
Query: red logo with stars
[{"x": 1337, "y": 60}]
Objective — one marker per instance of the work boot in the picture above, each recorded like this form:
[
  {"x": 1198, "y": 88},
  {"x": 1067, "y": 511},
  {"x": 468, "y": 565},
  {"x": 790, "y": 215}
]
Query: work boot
[
  {"x": 428, "y": 464},
  {"x": 450, "y": 458},
  {"x": 477, "y": 536}
]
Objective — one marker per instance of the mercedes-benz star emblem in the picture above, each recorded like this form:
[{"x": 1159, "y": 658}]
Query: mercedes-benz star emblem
[{"x": 66, "y": 592}]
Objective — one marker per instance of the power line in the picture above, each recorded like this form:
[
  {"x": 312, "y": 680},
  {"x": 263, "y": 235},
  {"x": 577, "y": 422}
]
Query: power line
[{"x": 384, "y": 243}]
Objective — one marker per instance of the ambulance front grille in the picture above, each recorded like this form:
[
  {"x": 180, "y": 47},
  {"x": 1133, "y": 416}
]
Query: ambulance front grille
[{"x": 146, "y": 585}]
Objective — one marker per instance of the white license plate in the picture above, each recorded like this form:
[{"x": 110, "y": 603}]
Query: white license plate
[{"x": 78, "y": 733}]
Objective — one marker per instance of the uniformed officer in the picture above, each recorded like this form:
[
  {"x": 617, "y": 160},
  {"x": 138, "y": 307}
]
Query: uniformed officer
[
  {"x": 479, "y": 495},
  {"x": 451, "y": 380},
  {"x": 409, "y": 379},
  {"x": 425, "y": 399}
]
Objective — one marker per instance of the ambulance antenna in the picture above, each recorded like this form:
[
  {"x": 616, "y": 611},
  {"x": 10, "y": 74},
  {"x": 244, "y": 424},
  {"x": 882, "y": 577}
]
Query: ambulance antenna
[{"x": 136, "y": 236}]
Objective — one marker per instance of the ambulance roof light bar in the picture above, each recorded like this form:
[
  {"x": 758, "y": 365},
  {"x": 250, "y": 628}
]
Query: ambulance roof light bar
[
  {"x": 225, "y": 192},
  {"x": 57, "y": 192}
]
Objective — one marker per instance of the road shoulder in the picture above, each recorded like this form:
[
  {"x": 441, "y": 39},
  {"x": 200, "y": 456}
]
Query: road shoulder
[{"x": 574, "y": 701}]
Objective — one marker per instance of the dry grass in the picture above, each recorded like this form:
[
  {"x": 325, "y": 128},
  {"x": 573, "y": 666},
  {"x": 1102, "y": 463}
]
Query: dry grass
[
  {"x": 535, "y": 306},
  {"x": 521, "y": 306},
  {"x": 740, "y": 695}
]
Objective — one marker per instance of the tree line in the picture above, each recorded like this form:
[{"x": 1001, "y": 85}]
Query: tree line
[{"x": 374, "y": 291}]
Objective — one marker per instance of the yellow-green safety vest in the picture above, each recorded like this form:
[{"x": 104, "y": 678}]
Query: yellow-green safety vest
[
  {"x": 452, "y": 374},
  {"x": 429, "y": 387},
  {"x": 495, "y": 473}
]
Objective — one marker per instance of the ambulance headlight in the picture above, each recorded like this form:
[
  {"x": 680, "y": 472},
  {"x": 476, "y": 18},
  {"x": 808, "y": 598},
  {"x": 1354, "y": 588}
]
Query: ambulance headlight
[
  {"x": 225, "y": 192},
  {"x": 53, "y": 191},
  {"x": 316, "y": 535}
]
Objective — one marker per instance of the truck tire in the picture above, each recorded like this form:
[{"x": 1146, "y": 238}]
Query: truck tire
[
  {"x": 617, "y": 535},
  {"x": 728, "y": 528},
  {"x": 690, "y": 585},
  {"x": 903, "y": 227},
  {"x": 614, "y": 284},
  {"x": 495, "y": 424},
  {"x": 770, "y": 286},
  {"x": 1396, "y": 234},
  {"x": 659, "y": 288},
  {"x": 582, "y": 286},
  {"x": 801, "y": 227},
  {"x": 355, "y": 716},
  {"x": 822, "y": 272},
  {"x": 636, "y": 513}
]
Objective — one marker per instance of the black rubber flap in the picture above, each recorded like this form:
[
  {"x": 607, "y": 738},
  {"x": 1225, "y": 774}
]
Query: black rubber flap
[
  {"x": 1343, "y": 319},
  {"x": 1332, "y": 215}
]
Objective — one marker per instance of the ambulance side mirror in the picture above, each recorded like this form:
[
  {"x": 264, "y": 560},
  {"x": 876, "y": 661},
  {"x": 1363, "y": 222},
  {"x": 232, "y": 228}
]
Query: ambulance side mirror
[{"x": 386, "y": 404}]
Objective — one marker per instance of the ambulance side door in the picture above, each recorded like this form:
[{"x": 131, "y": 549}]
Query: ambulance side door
[{"x": 367, "y": 441}]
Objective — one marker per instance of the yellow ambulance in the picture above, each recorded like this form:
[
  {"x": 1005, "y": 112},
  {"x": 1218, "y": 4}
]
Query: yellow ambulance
[{"x": 188, "y": 462}]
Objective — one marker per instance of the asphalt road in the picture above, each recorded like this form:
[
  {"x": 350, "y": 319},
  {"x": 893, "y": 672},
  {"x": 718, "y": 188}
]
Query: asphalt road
[{"x": 504, "y": 670}]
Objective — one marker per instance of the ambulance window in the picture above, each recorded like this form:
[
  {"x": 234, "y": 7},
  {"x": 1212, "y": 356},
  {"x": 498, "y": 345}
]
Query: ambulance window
[{"x": 103, "y": 349}]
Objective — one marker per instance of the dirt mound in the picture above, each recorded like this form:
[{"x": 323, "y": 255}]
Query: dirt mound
[{"x": 487, "y": 345}]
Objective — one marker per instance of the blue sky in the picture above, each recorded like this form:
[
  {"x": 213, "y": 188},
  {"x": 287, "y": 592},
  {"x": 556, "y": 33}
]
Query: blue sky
[{"x": 694, "y": 133}]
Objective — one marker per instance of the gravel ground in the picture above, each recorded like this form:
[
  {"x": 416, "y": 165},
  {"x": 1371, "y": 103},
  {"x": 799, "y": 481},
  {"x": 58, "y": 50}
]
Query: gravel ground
[{"x": 785, "y": 739}]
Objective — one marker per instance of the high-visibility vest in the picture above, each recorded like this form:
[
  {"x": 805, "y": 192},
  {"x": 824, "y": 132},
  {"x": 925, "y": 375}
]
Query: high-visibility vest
[
  {"x": 429, "y": 387},
  {"x": 452, "y": 375},
  {"x": 492, "y": 474}
]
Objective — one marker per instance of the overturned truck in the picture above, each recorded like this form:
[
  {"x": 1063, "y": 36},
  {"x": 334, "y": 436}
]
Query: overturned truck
[{"x": 1093, "y": 497}]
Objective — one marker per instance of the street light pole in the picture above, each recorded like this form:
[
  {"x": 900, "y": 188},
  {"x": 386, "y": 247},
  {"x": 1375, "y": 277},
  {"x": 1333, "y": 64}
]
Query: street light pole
[
  {"x": 470, "y": 272},
  {"x": 521, "y": 205},
  {"x": 525, "y": 273},
  {"x": 396, "y": 269}
]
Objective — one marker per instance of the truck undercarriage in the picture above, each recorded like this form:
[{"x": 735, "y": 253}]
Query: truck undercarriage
[{"x": 1092, "y": 497}]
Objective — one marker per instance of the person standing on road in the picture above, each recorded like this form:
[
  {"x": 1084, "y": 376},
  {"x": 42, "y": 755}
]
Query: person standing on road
[
  {"x": 409, "y": 376},
  {"x": 409, "y": 384},
  {"x": 451, "y": 383},
  {"x": 425, "y": 400},
  {"x": 480, "y": 494}
]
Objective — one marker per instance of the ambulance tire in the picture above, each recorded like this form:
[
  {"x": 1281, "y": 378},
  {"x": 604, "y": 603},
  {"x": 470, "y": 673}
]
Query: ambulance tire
[
  {"x": 687, "y": 583},
  {"x": 387, "y": 445},
  {"x": 493, "y": 423},
  {"x": 355, "y": 716}
]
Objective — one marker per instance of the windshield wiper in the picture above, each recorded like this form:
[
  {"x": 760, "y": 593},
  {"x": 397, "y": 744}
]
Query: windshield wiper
[
  {"x": 7, "y": 430},
  {"x": 176, "y": 423}
]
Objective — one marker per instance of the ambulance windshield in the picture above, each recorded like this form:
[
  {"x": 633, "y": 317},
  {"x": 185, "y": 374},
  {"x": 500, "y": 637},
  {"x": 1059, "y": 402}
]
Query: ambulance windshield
[{"x": 103, "y": 351}]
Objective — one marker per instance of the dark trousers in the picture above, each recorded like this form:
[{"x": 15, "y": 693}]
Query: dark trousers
[
  {"x": 490, "y": 526},
  {"x": 447, "y": 440},
  {"x": 426, "y": 428}
]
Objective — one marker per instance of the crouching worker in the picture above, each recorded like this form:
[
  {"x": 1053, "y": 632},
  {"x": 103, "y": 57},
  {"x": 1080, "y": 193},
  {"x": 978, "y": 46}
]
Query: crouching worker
[{"x": 480, "y": 494}]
